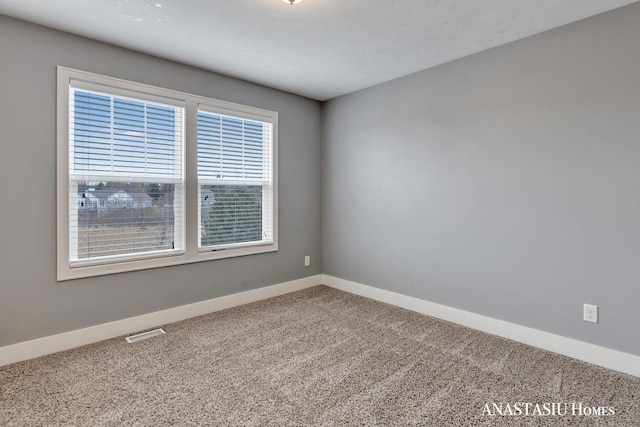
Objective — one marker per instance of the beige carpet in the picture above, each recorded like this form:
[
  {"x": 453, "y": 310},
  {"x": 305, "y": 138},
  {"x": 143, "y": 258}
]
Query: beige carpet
[{"x": 315, "y": 357}]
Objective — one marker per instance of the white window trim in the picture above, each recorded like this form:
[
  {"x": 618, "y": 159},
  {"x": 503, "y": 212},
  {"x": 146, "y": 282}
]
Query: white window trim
[{"x": 191, "y": 252}]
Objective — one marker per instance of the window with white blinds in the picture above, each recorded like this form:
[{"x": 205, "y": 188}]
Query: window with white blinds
[
  {"x": 150, "y": 177},
  {"x": 126, "y": 180},
  {"x": 235, "y": 179}
]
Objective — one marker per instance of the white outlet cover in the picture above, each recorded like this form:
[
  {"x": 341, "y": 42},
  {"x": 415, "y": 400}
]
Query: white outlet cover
[{"x": 590, "y": 313}]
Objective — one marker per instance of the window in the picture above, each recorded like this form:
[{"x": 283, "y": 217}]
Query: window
[
  {"x": 126, "y": 173},
  {"x": 125, "y": 155},
  {"x": 234, "y": 180}
]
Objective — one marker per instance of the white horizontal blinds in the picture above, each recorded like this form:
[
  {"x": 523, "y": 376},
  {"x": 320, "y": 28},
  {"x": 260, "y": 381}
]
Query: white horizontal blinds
[
  {"x": 235, "y": 177},
  {"x": 125, "y": 175}
]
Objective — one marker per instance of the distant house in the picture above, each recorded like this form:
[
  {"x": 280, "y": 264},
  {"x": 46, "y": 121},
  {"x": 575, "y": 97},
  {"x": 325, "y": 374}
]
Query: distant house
[
  {"x": 122, "y": 199},
  {"x": 102, "y": 200},
  {"x": 142, "y": 200}
]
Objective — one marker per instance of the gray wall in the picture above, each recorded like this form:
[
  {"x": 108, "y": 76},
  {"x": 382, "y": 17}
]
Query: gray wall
[
  {"x": 32, "y": 303},
  {"x": 506, "y": 183}
]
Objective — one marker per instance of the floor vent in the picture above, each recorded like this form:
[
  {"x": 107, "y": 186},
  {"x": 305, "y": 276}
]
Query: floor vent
[{"x": 145, "y": 335}]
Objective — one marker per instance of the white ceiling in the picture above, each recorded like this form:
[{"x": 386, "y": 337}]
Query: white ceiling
[{"x": 319, "y": 48}]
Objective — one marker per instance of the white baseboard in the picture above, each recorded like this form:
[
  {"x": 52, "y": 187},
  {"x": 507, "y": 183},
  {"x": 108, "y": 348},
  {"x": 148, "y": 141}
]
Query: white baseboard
[
  {"x": 597, "y": 355},
  {"x": 55, "y": 343}
]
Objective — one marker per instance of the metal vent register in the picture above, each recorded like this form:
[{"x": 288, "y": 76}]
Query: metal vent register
[{"x": 145, "y": 335}]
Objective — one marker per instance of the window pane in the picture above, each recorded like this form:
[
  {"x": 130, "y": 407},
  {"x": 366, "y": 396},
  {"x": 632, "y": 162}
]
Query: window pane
[
  {"x": 91, "y": 128},
  {"x": 235, "y": 180},
  {"x": 125, "y": 175},
  {"x": 230, "y": 214},
  {"x": 124, "y": 136},
  {"x": 116, "y": 218},
  {"x": 230, "y": 147}
]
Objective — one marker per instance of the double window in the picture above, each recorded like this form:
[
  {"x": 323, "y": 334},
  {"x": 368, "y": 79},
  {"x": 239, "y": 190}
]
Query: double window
[{"x": 149, "y": 177}]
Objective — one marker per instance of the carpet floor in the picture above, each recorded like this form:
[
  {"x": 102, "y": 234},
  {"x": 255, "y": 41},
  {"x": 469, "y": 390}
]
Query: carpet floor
[{"x": 315, "y": 357}]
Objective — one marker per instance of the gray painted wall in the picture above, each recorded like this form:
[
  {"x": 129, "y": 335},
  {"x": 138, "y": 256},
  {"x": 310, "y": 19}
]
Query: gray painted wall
[
  {"x": 32, "y": 303},
  {"x": 506, "y": 183}
]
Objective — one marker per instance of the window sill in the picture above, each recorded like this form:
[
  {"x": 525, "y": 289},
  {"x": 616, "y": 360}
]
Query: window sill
[{"x": 66, "y": 272}]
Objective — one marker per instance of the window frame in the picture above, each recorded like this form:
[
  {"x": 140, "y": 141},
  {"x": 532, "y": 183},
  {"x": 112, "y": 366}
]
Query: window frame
[{"x": 191, "y": 251}]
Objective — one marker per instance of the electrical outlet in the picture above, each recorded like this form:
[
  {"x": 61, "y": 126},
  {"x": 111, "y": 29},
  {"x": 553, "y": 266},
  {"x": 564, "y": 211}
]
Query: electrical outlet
[
  {"x": 590, "y": 313},
  {"x": 307, "y": 261}
]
